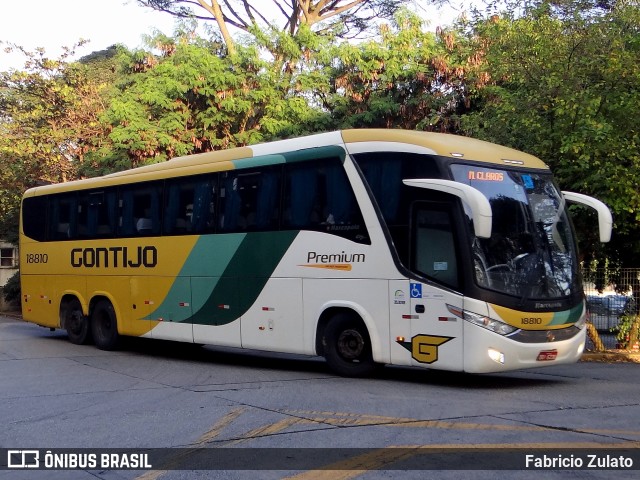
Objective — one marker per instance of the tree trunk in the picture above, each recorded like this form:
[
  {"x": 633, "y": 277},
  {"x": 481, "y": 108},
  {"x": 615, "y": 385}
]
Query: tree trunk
[{"x": 595, "y": 337}]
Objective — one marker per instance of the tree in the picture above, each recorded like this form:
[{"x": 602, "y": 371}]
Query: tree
[
  {"x": 562, "y": 81},
  {"x": 341, "y": 17},
  {"x": 407, "y": 78},
  {"x": 191, "y": 99},
  {"x": 49, "y": 120}
]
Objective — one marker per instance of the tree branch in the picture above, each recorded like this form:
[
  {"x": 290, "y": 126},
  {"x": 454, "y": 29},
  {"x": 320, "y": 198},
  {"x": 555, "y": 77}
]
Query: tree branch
[{"x": 215, "y": 10}]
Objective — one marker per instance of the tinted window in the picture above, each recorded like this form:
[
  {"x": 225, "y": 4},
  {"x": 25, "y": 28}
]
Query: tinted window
[
  {"x": 63, "y": 223},
  {"x": 34, "y": 216},
  {"x": 300, "y": 195},
  {"x": 384, "y": 172},
  {"x": 140, "y": 209},
  {"x": 97, "y": 214},
  {"x": 433, "y": 243},
  {"x": 190, "y": 205},
  {"x": 318, "y": 196},
  {"x": 250, "y": 199}
]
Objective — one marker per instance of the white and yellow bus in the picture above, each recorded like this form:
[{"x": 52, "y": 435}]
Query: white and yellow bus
[{"x": 366, "y": 247}]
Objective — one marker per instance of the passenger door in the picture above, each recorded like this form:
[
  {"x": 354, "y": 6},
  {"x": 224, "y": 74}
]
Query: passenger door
[{"x": 436, "y": 333}]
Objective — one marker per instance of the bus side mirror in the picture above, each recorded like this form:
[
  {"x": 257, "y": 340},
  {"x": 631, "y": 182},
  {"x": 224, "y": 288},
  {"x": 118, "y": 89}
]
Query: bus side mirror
[
  {"x": 605, "y": 220},
  {"x": 472, "y": 197}
]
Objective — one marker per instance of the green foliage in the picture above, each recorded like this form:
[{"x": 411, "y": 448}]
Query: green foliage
[
  {"x": 407, "y": 78},
  {"x": 9, "y": 215},
  {"x": 190, "y": 99},
  {"x": 562, "y": 83},
  {"x": 11, "y": 290},
  {"x": 627, "y": 330},
  {"x": 48, "y": 122}
]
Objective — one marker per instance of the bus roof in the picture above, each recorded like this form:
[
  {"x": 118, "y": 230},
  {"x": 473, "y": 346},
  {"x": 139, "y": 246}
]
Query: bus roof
[{"x": 447, "y": 145}]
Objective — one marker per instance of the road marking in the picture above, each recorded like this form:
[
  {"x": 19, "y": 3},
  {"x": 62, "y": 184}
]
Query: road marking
[
  {"x": 364, "y": 420},
  {"x": 377, "y": 459},
  {"x": 220, "y": 425},
  {"x": 339, "y": 418},
  {"x": 213, "y": 432},
  {"x": 269, "y": 429}
]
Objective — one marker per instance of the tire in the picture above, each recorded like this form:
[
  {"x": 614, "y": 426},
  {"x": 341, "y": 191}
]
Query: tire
[
  {"x": 104, "y": 326},
  {"x": 75, "y": 322},
  {"x": 348, "y": 347}
]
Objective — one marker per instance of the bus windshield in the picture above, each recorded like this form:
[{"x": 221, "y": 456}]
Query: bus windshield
[{"x": 531, "y": 252}]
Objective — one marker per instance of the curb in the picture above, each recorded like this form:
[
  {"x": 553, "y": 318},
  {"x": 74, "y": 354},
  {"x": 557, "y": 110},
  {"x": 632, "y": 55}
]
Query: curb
[{"x": 611, "y": 356}]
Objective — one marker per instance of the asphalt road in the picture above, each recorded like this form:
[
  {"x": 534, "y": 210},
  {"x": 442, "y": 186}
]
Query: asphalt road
[{"x": 153, "y": 394}]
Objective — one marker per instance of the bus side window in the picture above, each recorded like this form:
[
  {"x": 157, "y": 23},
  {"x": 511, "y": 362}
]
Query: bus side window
[
  {"x": 97, "y": 214},
  {"x": 63, "y": 216},
  {"x": 384, "y": 172},
  {"x": 140, "y": 207},
  {"x": 178, "y": 195},
  {"x": 250, "y": 199},
  {"x": 34, "y": 217},
  {"x": 189, "y": 206},
  {"x": 434, "y": 251},
  {"x": 201, "y": 212},
  {"x": 318, "y": 196},
  {"x": 82, "y": 227}
]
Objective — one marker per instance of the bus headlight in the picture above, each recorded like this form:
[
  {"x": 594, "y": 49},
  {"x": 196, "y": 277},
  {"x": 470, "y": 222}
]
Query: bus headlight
[
  {"x": 492, "y": 324},
  {"x": 496, "y": 356}
]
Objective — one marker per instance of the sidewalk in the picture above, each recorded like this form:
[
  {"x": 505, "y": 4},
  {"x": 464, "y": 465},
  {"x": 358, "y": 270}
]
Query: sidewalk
[{"x": 612, "y": 356}]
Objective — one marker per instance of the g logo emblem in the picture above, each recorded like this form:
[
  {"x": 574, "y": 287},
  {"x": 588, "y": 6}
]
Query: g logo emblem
[{"x": 424, "y": 348}]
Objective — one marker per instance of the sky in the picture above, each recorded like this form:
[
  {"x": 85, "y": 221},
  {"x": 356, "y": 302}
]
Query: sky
[
  {"x": 55, "y": 23},
  {"x": 52, "y": 24}
]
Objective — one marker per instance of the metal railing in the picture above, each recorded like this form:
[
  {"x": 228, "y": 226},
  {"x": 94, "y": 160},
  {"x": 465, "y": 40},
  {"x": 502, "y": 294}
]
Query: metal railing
[{"x": 610, "y": 294}]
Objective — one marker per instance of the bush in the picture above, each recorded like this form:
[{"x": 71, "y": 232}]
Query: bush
[
  {"x": 11, "y": 290},
  {"x": 627, "y": 331}
]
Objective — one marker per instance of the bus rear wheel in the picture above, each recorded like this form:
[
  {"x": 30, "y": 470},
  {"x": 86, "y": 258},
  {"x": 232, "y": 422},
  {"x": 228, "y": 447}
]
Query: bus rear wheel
[
  {"x": 75, "y": 323},
  {"x": 348, "y": 347},
  {"x": 104, "y": 326}
]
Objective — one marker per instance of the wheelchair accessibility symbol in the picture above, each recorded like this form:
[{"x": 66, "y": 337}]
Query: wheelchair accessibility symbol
[{"x": 416, "y": 290}]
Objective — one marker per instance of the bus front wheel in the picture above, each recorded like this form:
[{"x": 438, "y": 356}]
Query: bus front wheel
[
  {"x": 75, "y": 323},
  {"x": 348, "y": 347},
  {"x": 104, "y": 326}
]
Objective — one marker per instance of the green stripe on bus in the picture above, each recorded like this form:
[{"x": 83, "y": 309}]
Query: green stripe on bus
[
  {"x": 244, "y": 278},
  {"x": 305, "y": 155},
  {"x": 308, "y": 154},
  {"x": 223, "y": 276},
  {"x": 567, "y": 316},
  {"x": 208, "y": 259},
  {"x": 260, "y": 161}
]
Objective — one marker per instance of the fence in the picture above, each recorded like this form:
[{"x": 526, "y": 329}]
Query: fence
[{"x": 610, "y": 295}]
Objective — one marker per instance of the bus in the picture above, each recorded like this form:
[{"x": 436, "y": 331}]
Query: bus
[{"x": 366, "y": 247}]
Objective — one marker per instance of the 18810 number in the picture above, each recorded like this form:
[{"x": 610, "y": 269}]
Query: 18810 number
[{"x": 37, "y": 258}]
